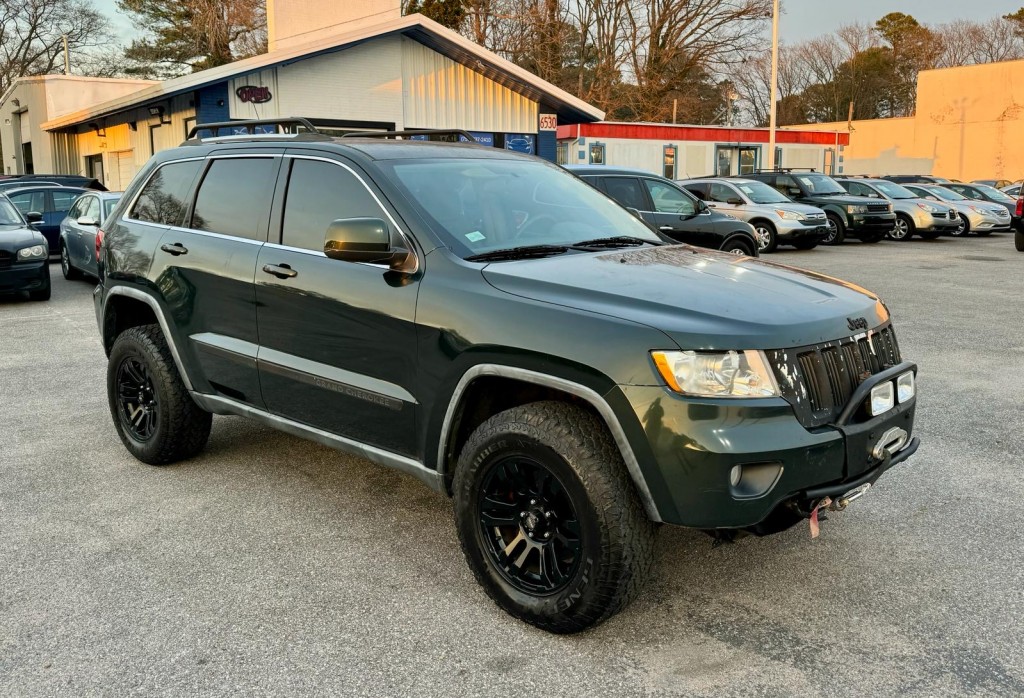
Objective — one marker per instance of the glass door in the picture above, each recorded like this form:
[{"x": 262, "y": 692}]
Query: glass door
[{"x": 737, "y": 159}]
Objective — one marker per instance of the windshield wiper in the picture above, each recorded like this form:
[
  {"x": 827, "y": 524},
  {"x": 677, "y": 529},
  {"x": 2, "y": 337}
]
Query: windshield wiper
[
  {"x": 616, "y": 241},
  {"x": 524, "y": 252}
]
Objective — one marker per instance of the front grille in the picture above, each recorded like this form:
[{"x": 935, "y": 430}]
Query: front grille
[
  {"x": 6, "y": 259},
  {"x": 818, "y": 381},
  {"x": 878, "y": 208}
]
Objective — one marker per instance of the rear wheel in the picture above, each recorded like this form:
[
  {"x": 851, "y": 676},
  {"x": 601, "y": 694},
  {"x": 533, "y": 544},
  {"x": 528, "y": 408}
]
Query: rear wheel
[
  {"x": 548, "y": 518},
  {"x": 1018, "y": 240},
  {"x": 70, "y": 273},
  {"x": 767, "y": 237},
  {"x": 963, "y": 229},
  {"x": 836, "y": 230},
  {"x": 739, "y": 246},
  {"x": 154, "y": 415},
  {"x": 904, "y": 228}
]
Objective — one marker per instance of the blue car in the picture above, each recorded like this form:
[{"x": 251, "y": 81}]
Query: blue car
[{"x": 52, "y": 202}]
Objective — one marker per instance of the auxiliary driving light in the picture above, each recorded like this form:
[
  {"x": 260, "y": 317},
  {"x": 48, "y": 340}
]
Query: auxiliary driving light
[
  {"x": 883, "y": 398},
  {"x": 905, "y": 388}
]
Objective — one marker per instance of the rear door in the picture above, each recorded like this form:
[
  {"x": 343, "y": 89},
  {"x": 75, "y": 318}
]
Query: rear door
[
  {"x": 81, "y": 236},
  {"x": 205, "y": 270},
  {"x": 70, "y": 230},
  {"x": 337, "y": 339},
  {"x": 676, "y": 214}
]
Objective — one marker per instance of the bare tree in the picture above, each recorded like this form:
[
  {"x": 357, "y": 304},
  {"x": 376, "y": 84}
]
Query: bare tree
[{"x": 32, "y": 32}]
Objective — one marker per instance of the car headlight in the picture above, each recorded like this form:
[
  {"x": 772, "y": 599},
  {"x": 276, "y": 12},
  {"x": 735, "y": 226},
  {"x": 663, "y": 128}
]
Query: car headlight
[
  {"x": 859, "y": 208},
  {"x": 717, "y": 374},
  {"x": 905, "y": 387},
  {"x": 883, "y": 398},
  {"x": 27, "y": 254},
  {"x": 927, "y": 207},
  {"x": 789, "y": 215}
]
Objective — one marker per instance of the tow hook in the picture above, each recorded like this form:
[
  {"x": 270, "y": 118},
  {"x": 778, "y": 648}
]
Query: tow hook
[{"x": 856, "y": 493}]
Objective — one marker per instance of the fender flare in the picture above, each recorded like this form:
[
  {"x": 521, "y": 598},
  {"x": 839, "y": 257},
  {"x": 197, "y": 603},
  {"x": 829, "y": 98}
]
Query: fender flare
[{"x": 149, "y": 300}]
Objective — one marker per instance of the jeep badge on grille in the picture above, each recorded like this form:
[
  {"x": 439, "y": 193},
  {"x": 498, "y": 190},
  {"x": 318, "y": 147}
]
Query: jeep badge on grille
[{"x": 857, "y": 323}]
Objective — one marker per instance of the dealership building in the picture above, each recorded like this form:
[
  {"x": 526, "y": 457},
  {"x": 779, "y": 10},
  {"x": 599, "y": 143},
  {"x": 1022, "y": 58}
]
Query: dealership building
[
  {"x": 353, "y": 66},
  {"x": 681, "y": 151}
]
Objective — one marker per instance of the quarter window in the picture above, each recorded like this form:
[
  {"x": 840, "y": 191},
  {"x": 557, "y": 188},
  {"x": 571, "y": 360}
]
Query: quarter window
[
  {"x": 234, "y": 197},
  {"x": 318, "y": 194},
  {"x": 627, "y": 191},
  {"x": 668, "y": 199},
  {"x": 162, "y": 200}
]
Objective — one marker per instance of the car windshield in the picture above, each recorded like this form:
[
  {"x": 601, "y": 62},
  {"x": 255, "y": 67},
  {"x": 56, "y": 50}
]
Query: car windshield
[
  {"x": 481, "y": 205},
  {"x": 820, "y": 184},
  {"x": 761, "y": 193},
  {"x": 946, "y": 194},
  {"x": 9, "y": 215},
  {"x": 993, "y": 193},
  {"x": 894, "y": 191}
]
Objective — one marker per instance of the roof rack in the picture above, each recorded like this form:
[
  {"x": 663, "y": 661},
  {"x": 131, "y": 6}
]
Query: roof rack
[
  {"x": 248, "y": 128},
  {"x": 446, "y": 134},
  {"x": 789, "y": 169}
]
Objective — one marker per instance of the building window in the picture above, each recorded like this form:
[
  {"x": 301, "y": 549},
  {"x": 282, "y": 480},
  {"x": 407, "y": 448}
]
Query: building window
[
  {"x": 562, "y": 153},
  {"x": 668, "y": 161},
  {"x": 778, "y": 157},
  {"x": 597, "y": 153}
]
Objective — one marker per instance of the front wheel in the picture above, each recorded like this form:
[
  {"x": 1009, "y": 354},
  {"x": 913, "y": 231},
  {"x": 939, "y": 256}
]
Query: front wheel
[
  {"x": 767, "y": 237},
  {"x": 739, "y": 246},
  {"x": 548, "y": 518},
  {"x": 154, "y": 415},
  {"x": 903, "y": 230},
  {"x": 836, "y": 230},
  {"x": 963, "y": 229}
]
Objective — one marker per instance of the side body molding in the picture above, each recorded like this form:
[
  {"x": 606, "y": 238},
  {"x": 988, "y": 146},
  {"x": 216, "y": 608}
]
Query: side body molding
[{"x": 548, "y": 381}]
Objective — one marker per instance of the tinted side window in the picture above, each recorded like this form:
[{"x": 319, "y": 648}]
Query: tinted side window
[
  {"x": 162, "y": 200},
  {"x": 787, "y": 185},
  {"x": 698, "y": 190},
  {"x": 234, "y": 197},
  {"x": 319, "y": 193},
  {"x": 62, "y": 200},
  {"x": 627, "y": 191},
  {"x": 721, "y": 193},
  {"x": 668, "y": 199},
  {"x": 30, "y": 201}
]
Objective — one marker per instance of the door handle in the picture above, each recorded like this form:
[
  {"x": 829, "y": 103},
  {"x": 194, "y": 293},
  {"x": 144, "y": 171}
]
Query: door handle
[
  {"x": 665, "y": 227},
  {"x": 174, "y": 249},
  {"x": 281, "y": 271}
]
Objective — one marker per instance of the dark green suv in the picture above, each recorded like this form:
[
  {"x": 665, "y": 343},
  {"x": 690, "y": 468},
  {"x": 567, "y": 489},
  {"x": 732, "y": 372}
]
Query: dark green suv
[
  {"x": 496, "y": 327},
  {"x": 869, "y": 220}
]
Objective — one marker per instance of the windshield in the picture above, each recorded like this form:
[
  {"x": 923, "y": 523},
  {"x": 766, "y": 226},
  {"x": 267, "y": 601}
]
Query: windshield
[
  {"x": 761, "y": 193},
  {"x": 946, "y": 194},
  {"x": 993, "y": 193},
  {"x": 480, "y": 205},
  {"x": 894, "y": 191},
  {"x": 9, "y": 215},
  {"x": 820, "y": 184}
]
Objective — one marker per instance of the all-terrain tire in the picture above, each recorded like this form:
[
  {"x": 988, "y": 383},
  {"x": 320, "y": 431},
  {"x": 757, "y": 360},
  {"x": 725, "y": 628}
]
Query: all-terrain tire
[
  {"x": 181, "y": 427},
  {"x": 616, "y": 541}
]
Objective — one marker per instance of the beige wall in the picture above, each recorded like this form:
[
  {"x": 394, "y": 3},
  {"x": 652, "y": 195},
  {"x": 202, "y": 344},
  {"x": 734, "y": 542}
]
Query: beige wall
[
  {"x": 294, "y": 22},
  {"x": 969, "y": 125}
]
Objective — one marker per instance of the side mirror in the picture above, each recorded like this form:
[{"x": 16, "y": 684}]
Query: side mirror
[
  {"x": 87, "y": 221},
  {"x": 734, "y": 201},
  {"x": 362, "y": 240},
  {"x": 34, "y": 217}
]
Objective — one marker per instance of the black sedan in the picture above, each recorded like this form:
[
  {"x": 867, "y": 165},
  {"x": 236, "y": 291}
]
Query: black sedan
[
  {"x": 23, "y": 254},
  {"x": 673, "y": 211}
]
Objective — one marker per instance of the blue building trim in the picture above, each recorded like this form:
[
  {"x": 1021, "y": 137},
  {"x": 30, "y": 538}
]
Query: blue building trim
[
  {"x": 547, "y": 145},
  {"x": 212, "y": 103}
]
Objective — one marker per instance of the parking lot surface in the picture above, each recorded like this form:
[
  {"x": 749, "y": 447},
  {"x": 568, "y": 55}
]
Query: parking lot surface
[{"x": 270, "y": 565}]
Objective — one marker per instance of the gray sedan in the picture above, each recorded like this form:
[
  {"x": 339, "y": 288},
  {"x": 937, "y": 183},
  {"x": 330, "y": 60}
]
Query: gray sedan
[
  {"x": 976, "y": 217},
  {"x": 78, "y": 232}
]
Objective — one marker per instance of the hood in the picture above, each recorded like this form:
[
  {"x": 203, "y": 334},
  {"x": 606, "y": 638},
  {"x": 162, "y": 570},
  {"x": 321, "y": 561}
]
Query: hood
[
  {"x": 15, "y": 237},
  {"x": 700, "y": 298}
]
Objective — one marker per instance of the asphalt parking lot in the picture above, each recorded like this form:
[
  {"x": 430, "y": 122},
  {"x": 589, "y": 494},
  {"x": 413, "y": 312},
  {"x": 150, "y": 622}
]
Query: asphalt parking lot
[{"x": 273, "y": 566}]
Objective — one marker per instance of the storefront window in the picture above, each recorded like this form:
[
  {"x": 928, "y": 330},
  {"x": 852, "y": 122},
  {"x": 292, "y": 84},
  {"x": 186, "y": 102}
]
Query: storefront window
[
  {"x": 562, "y": 153},
  {"x": 597, "y": 153}
]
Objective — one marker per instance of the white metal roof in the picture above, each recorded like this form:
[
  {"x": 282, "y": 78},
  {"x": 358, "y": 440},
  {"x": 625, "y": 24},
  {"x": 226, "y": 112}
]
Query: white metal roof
[{"x": 416, "y": 27}]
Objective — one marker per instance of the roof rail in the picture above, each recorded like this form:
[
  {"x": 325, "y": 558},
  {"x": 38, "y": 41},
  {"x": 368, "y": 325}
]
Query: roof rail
[
  {"x": 788, "y": 169},
  {"x": 248, "y": 126},
  {"x": 458, "y": 133}
]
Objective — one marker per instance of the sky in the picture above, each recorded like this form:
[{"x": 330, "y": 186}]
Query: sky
[{"x": 801, "y": 19}]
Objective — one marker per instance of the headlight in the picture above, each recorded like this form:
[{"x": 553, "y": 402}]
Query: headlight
[
  {"x": 29, "y": 253},
  {"x": 789, "y": 215},
  {"x": 982, "y": 211},
  {"x": 717, "y": 374},
  {"x": 860, "y": 208},
  {"x": 905, "y": 387},
  {"x": 927, "y": 207},
  {"x": 883, "y": 398},
  {"x": 889, "y": 208}
]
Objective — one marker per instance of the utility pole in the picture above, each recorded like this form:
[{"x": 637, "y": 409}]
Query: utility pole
[
  {"x": 675, "y": 105},
  {"x": 67, "y": 55},
  {"x": 775, "y": 86}
]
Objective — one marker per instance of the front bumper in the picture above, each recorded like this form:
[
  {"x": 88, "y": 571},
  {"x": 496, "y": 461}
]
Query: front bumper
[
  {"x": 692, "y": 445},
  {"x": 932, "y": 223},
  {"x": 799, "y": 230},
  {"x": 872, "y": 222},
  {"x": 24, "y": 276}
]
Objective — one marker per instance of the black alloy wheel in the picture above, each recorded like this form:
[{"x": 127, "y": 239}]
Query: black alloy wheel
[
  {"x": 138, "y": 406},
  {"x": 529, "y": 526}
]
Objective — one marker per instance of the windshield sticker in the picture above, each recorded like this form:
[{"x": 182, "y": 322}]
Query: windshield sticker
[{"x": 475, "y": 236}]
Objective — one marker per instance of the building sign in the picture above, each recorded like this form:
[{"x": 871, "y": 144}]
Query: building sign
[
  {"x": 483, "y": 138},
  {"x": 520, "y": 142},
  {"x": 548, "y": 122},
  {"x": 254, "y": 94}
]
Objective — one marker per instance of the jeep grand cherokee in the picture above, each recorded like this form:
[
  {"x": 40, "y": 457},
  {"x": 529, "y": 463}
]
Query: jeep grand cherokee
[{"x": 494, "y": 326}]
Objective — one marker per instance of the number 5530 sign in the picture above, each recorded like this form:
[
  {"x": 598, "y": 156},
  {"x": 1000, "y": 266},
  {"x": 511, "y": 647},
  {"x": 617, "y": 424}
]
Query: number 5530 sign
[{"x": 548, "y": 122}]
